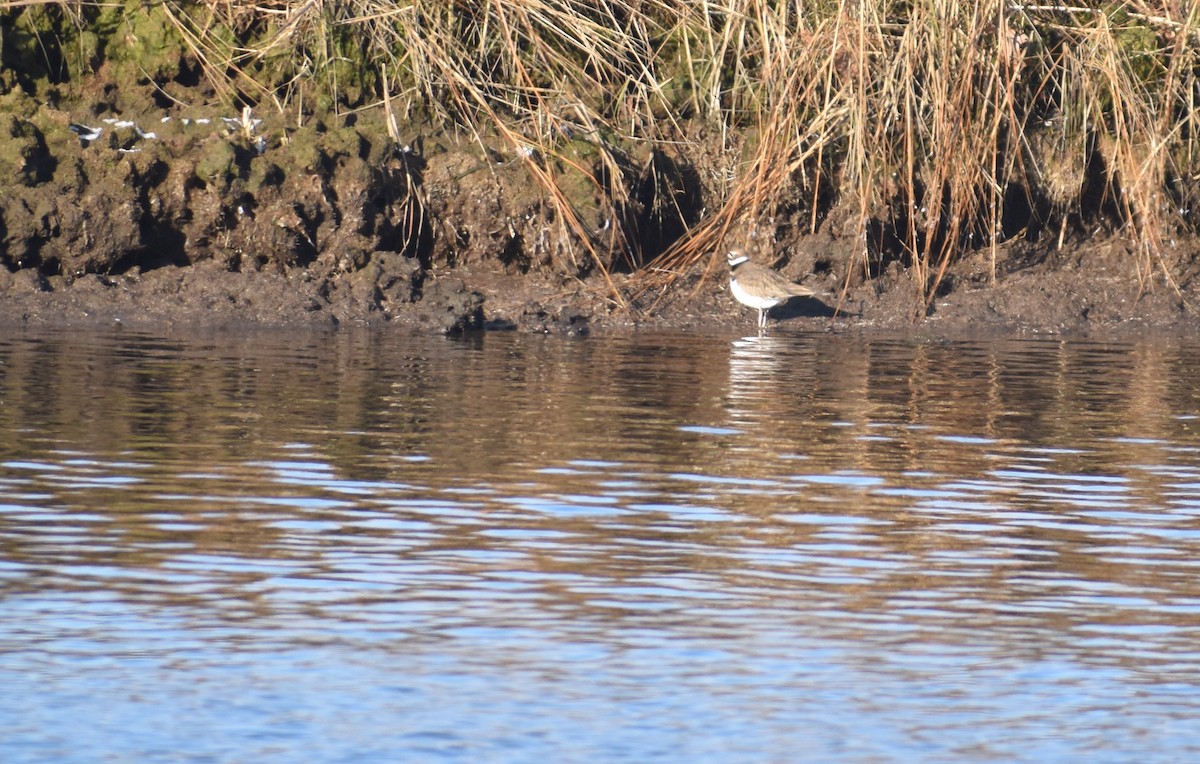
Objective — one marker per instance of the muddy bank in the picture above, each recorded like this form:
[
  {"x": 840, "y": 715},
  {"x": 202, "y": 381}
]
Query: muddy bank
[
  {"x": 118, "y": 209},
  {"x": 1092, "y": 288},
  {"x": 316, "y": 164}
]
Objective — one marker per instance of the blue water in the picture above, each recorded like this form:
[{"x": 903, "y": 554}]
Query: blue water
[{"x": 369, "y": 546}]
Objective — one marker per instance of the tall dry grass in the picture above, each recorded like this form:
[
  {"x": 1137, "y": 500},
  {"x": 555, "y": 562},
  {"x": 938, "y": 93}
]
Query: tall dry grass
[{"x": 935, "y": 127}]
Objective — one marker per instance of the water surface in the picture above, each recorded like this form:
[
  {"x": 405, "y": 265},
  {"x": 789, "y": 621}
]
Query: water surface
[{"x": 368, "y": 546}]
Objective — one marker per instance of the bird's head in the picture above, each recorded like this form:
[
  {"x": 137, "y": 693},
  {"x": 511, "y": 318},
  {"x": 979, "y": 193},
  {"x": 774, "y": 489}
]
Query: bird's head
[{"x": 736, "y": 257}]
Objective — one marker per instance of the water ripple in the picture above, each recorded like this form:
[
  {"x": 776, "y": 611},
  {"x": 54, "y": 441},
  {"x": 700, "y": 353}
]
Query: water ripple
[{"x": 673, "y": 549}]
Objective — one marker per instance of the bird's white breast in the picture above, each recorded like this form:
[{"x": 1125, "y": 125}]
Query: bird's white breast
[{"x": 760, "y": 302}]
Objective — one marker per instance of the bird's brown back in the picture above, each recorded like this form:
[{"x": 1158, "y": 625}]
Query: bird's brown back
[{"x": 764, "y": 280}]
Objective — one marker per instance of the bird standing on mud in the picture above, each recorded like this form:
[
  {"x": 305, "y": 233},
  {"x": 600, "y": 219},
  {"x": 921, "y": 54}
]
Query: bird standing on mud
[{"x": 760, "y": 287}]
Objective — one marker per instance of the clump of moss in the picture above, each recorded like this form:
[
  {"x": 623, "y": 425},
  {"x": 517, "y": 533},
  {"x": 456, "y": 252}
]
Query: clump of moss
[
  {"x": 217, "y": 165},
  {"x": 23, "y": 152}
]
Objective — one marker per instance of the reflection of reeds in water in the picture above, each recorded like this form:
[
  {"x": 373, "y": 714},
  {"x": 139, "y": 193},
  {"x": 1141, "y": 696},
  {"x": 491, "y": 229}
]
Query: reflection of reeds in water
[
  {"x": 1000, "y": 457},
  {"x": 214, "y": 397}
]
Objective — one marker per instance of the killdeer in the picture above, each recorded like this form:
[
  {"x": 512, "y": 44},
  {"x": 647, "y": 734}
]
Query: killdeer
[{"x": 759, "y": 287}]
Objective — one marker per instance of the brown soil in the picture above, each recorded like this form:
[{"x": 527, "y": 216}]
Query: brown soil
[{"x": 228, "y": 222}]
